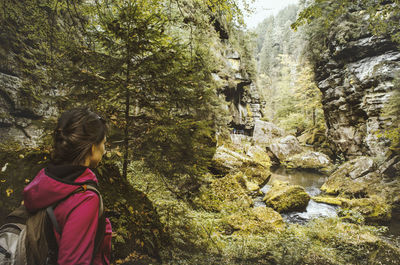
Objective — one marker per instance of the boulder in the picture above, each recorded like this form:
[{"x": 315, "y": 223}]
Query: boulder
[
  {"x": 226, "y": 160},
  {"x": 374, "y": 209},
  {"x": 310, "y": 160},
  {"x": 224, "y": 194},
  {"x": 256, "y": 220},
  {"x": 255, "y": 168},
  {"x": 284, "y": 197},
  {"x": 351, "y": 178},
  {"x": 285, "y": 147},
  {"x": 264, "y": 132}
]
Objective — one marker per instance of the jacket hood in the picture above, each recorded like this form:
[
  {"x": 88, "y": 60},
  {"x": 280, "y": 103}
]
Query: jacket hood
[{"x": 55, "y": 183}]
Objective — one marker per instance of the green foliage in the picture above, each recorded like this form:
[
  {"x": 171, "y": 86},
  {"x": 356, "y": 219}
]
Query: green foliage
[
  {"x": 149, "y": 68},
  {"x": 383, "y": 15},
  {"x": 136, "y": 225},
  {"x": 295, "y": 100},
  {"x": 275, "y": 38},
  {"x": 285, "y": 77}
]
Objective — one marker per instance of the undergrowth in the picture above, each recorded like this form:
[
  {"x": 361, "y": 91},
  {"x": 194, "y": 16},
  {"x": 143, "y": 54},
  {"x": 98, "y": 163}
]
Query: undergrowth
[{"x": 199, "y": 237}]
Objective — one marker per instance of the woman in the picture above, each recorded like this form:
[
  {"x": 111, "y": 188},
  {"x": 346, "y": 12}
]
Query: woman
[{"x": 79, "y": 140}]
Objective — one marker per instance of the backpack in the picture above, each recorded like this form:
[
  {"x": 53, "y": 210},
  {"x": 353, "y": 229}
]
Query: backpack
[{"x": 28, "y": 238}]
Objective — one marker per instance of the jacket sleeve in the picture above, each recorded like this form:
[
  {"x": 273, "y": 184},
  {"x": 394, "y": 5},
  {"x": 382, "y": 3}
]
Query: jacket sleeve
[{"x": 76, "y": 242}]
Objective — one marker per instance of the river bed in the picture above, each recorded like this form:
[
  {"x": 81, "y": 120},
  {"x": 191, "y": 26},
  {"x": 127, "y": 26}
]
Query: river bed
[{"x": 312, "y": 182}]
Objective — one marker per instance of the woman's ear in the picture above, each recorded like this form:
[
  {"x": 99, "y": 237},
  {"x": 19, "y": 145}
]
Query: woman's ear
[{"x": 92, "y": 149}]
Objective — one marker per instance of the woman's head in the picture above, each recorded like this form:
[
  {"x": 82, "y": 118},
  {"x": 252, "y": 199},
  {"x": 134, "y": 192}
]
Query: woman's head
[{"x": 79, "y": 138}]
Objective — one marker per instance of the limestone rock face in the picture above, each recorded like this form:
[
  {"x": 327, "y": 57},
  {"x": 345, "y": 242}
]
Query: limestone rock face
[
  {"x": 356, "y": 80},
  {"x": 242, "y": 99},
  {"x": 283, "y": 197},
  {"x": 310, "y": 160},
  {"x": 20, "y": 114}
]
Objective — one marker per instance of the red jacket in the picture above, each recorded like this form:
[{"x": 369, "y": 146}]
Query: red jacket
[{"x": 77, "y": 216}]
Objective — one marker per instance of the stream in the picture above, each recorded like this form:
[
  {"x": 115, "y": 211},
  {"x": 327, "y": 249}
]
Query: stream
[{"x": 312, "y": 182}]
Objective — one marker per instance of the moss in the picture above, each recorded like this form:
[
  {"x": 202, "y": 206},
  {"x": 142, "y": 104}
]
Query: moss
[
  {"x": 257, "y": 220},
  {"x": 374, "y": 209},
  {"x": 227, "y": 193},
  {"x": 136, "y": 224},
  {"x": 330, "y": 200},
  {"x": 283, "y": 197}
]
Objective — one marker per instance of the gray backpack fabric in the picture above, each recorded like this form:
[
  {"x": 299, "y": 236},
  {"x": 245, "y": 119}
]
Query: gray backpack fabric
[
  {"x": 34, "y": 232},
  {"x": 12, "y": 244},
  {"x": 13, "y": 235}
]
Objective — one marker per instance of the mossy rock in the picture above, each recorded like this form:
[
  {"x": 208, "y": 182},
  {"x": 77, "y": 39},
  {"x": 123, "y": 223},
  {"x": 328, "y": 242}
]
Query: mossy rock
[
  {"x": 256, "y": 174},
  {"x": 374, "y": 209},
  {"x": 283, "y": 197},
  {"x": 227, "y": 193},
  {"x": 255, "y": 167},
  {"x": 226, "y": 160},
  {"x": 258, "y": 220},
  {"x": 349, "y": 178},
  {"x": 330, "y": 200}
]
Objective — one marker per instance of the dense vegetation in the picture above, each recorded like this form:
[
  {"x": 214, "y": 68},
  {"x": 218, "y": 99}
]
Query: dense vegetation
[
  {"x": 285, "y": 74},
  {"x": 147, "y": 66}
]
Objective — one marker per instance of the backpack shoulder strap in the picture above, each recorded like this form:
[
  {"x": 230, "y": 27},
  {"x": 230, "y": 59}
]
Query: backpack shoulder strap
[{"x": 101, "y": 227}]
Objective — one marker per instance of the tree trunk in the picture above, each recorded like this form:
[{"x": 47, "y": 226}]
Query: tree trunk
[
  {"x": 314, "y": 117},
  {"x": 127, "y": 122}
]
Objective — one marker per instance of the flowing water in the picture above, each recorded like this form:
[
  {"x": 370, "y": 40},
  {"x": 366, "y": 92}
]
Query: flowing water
[{"x": 312, "y": 182}]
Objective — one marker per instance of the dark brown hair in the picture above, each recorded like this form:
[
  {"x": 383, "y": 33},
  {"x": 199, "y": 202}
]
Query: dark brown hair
[{"x": 76, "y": 131}]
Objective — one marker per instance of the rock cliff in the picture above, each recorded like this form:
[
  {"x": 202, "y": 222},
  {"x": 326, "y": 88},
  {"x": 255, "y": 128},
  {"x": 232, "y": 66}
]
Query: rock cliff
[
  {"x": 240, "y": 93},
  {"x": 21, "y": 115},
  {"x": 356, "y": 76}
]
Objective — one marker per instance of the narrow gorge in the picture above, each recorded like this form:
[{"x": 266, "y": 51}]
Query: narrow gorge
[{"x": 227, "y": 145}]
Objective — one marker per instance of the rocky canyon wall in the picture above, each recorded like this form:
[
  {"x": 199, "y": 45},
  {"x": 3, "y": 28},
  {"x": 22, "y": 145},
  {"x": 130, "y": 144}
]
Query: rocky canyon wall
[
  {"x": 356, "y": 76},
  {"x": 242, "y": 100}
]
